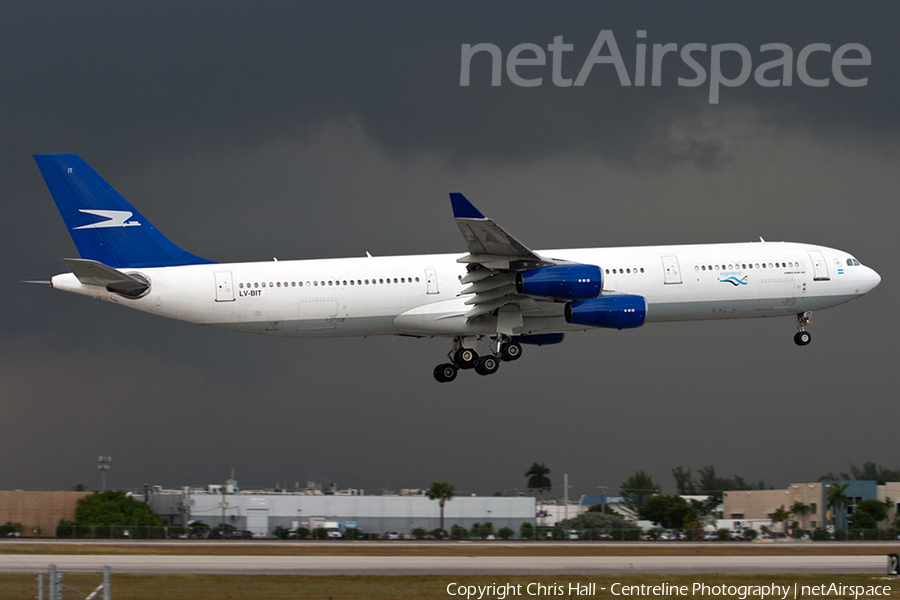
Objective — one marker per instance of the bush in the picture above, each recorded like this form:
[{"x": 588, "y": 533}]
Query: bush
[
  {"x": 526, "y": 531},
  {"x": 458, "y": 533},
  {"x": 9, "y": 529},
  {"x": 199, "y": 529},
  {"x": 750, "y": 534},
  {"x": 302, "y": 532},
  {"x": 282, "y": 533},
  {"x": 724, "y": 534},
  {"x": 820, "y": 535},
  {"x": 439, "y": 534},
  {"x": 506, "y": 533},
  {"x": 320, "y": 533},
  {"x": 840, "y": 535},
  {"x": 221, "y": 531},
  {"x": 353, "y": 533},
  {"x": 419, "y": 533}
]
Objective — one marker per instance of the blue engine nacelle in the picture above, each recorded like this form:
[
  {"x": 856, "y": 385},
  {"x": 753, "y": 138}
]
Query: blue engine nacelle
[
  {"x": 563, "y": 282},
  {"x": 625, "y": 311}
]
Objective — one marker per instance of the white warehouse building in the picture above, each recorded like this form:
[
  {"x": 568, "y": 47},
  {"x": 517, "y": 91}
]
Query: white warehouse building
[{"x": 262, "y": 511}]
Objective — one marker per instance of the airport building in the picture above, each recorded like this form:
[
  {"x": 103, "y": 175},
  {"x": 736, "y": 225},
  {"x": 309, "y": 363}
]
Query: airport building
[
  {"x": 261, "y": 511},
  {"x": 38, "y": 513},
  {"x": 758, "y": 505}
]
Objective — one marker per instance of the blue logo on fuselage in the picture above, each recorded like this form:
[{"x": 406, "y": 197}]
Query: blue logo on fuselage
[{"x": 733, "y": 280}]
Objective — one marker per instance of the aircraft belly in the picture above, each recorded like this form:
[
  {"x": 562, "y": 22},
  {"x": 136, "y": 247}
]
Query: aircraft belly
[
  {"x": 347, "y": 327},
  {"x": 740, "y": 309}
]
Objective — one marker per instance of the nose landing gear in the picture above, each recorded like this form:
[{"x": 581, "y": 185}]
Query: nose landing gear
[{"x": 802, "y": 337}]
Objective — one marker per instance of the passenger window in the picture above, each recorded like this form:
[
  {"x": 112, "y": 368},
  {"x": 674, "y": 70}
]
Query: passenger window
[
  {"x": 256, "y": 285},
  {"x": 381, "y": 281},
  {"x": 642, "y": 269},
  {"x": 345, "y": 282},
  {"x": 417, "y": 280}
]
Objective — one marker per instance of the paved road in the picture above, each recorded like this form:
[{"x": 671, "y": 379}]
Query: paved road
[{"x": 434, "y": 565}]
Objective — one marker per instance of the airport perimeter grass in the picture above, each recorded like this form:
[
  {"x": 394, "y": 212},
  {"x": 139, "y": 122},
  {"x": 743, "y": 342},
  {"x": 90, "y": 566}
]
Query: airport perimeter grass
[
  {"x": 275, "y": 587},
  {"x": 452, "y": 549}
]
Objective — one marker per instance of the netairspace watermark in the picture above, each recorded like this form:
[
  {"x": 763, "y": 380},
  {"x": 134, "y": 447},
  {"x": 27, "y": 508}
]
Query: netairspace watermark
[
  {"x": 501, "y": 591},
  {"x": 704, "y": 60}
]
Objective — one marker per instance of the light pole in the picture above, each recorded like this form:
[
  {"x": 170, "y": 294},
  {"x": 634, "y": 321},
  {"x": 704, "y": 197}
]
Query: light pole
[{"x": 103, "y": 466}]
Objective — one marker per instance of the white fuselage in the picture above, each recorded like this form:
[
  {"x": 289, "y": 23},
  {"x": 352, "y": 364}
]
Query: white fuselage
[{"x": 420, "y": 295}]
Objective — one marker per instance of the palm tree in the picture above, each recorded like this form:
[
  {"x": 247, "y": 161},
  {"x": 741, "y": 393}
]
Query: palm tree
[
  {"x": 837, "y": 498},
  {"x": 538, "y": 480},
  {"x": 800, "y": 510},
  {"x": 441, "y": 491},
  {"x": 537, "y": 477},
  {"x": 780, "y": 516}
]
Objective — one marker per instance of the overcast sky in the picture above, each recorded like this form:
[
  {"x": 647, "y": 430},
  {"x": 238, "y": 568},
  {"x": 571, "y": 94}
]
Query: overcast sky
[{"x": 253, "y": 130}]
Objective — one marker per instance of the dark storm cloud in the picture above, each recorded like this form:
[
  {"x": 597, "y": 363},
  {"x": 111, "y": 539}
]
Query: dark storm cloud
[
  {"x": 240, "y": 73},
  {"x": 252, "y": 130}
]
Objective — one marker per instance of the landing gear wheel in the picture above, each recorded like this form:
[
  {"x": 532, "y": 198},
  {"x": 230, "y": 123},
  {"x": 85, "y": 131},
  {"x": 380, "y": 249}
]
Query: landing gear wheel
[
  {"x": 802, "y": 338},
  {"x": 510, "y": 351},
  {"x": 486, "y": 365},
  {"x": 444, "y": 373},
  {"x": 465, "y": 358}
]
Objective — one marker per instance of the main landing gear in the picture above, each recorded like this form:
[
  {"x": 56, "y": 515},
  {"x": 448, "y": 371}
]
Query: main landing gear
[
  {"x": 802, "y": 337},
  {"x": 462, "y": 357}
]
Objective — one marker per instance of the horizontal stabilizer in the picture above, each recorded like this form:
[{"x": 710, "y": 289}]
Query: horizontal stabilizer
[{"x": 91, "y": 272}]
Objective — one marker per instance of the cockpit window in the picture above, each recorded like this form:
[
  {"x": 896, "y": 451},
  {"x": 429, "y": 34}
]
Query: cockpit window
[{"x": 852, "y": 262}]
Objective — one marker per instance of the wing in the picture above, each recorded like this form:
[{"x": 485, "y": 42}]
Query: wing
[{"x": 494, "y": 258}]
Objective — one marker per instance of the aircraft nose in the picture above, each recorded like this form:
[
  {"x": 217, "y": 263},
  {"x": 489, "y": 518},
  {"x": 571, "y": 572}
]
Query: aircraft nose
[{"x": 872, "y": 279}]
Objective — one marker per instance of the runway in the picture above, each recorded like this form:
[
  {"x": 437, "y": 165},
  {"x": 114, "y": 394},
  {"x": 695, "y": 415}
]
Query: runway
[{"x": 444, "y": 565}]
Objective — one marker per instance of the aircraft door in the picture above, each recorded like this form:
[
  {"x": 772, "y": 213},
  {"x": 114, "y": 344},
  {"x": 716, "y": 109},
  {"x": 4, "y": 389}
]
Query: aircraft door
[
  {"x": 671, "y": 269},
  {"x": 224, "y": 287},
  {"x": 431, "y": 281},
  {"x": 820, "y": 267}
]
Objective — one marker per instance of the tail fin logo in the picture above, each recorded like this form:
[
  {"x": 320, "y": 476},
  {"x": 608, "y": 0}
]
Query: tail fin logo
[{"x": 114, "y": 218}]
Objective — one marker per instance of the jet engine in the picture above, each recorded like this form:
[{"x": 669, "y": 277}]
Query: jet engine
[
  {"x": 561, "y": 282},
  {"x": 624, "y": 311}
]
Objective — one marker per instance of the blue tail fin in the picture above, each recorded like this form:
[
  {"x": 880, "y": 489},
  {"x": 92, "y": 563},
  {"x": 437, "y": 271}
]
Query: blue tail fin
[{"x": 103, "y": 225}]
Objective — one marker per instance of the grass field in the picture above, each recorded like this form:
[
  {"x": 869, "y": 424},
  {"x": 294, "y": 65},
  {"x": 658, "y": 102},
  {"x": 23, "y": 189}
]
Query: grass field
[
  {"x": 276, "y": 587},
  {"x": 453, "y": 549}
]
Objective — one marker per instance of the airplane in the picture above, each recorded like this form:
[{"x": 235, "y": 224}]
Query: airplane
[{"x": 500, "y": 293}]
